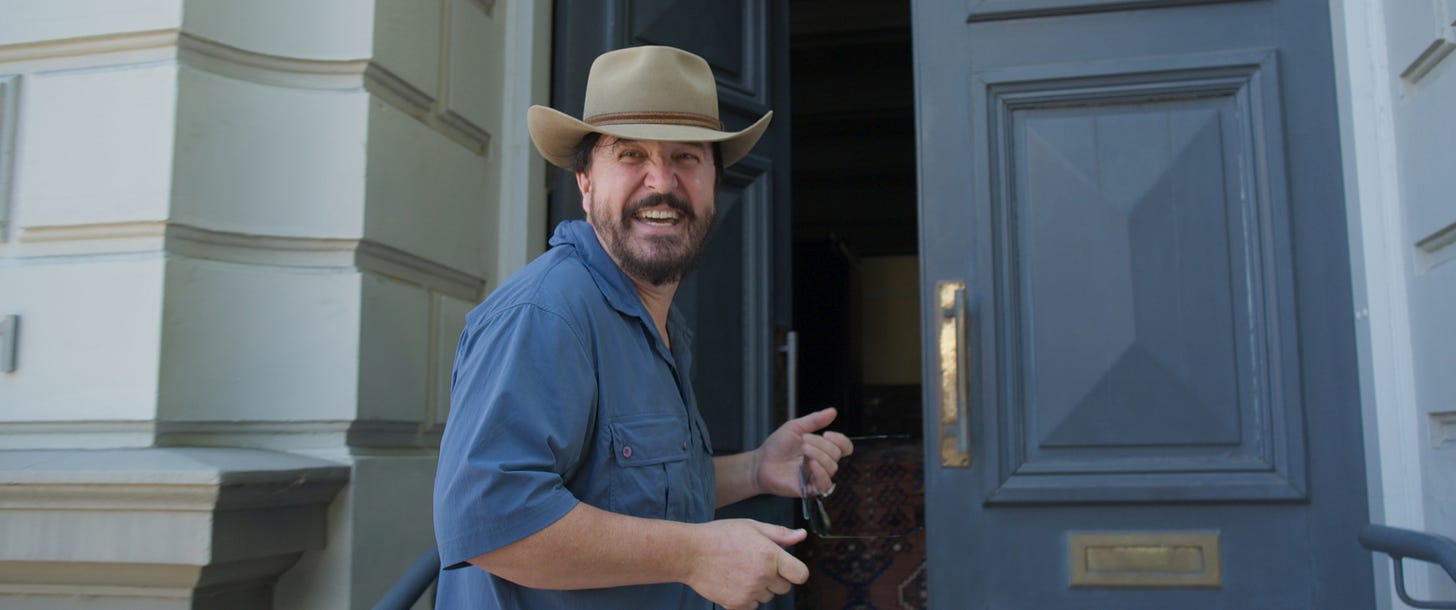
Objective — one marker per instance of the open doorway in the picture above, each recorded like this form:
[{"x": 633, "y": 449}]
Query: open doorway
[{"x": 856, "y": 299}]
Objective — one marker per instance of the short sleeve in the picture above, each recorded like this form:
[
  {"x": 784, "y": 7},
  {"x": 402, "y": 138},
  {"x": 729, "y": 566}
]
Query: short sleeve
[{"x": 521, "y": 409}]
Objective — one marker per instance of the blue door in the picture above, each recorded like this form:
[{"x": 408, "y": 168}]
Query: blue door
[{"x": 1140, "y": 384}]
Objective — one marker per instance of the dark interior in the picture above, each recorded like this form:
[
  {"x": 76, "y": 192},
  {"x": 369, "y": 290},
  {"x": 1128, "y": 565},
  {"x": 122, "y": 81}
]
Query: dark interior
[
  {"x": 856, "y": 293},
  {"x": 853, "y": 183}
]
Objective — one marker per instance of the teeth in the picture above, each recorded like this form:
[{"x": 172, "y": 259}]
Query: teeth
[{"x": 658, "y": 214}]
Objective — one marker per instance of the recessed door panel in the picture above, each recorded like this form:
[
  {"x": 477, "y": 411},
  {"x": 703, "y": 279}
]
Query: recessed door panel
[{"x": 1137, "y": 199}]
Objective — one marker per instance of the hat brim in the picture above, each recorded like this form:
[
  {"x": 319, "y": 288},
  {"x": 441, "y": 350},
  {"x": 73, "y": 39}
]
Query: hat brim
[{"x": 555, "y": 134}]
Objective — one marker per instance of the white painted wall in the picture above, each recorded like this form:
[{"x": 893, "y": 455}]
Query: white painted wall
[
  {"x": 89, "y": 125},
  {"x": 260, "y": 224},
  {"x": 45, "y": 20},
  {"x": 1397, "y": 88}
]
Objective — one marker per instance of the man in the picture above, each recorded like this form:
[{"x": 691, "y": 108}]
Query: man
[{"x": 575, "y": 470}]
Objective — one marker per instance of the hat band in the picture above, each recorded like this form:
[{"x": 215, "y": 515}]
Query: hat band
[{"x": 660, "y": 117}]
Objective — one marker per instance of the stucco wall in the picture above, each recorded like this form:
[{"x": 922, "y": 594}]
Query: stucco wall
[{"x": 260, "y": 225}]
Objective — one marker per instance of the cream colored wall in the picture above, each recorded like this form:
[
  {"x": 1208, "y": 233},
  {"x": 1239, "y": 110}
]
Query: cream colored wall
[
  {"x": 260, "y": 224},
  {"x": 89, "y": 130},
  {"x": 1397, "y": 84}
]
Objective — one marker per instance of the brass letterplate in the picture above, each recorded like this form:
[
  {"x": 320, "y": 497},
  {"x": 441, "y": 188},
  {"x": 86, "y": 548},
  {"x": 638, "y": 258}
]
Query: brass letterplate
[{"x": 1145, "y": 559}]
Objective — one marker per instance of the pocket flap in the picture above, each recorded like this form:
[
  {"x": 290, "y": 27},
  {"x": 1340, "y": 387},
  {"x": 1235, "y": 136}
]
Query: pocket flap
[{"x": 649, "y": 440}]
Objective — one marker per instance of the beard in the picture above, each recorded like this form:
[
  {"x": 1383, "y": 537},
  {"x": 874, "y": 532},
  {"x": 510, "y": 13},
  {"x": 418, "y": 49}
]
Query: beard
[{"x": 657, "y": 259}]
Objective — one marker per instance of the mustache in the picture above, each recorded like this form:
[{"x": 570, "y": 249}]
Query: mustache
[{"x": 652, "y": 201}]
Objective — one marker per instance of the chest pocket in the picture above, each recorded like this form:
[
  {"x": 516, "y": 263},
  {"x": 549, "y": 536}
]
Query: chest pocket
[{"x": 650, "y": 479}]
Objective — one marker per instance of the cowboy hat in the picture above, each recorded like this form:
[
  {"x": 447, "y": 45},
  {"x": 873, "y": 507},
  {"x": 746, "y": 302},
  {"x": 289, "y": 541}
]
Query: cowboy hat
[{"x": 644, "y": 93}]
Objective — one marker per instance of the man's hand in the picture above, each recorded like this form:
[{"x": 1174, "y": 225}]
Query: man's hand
[
  {"x": 741, "y": 563},
  {"x": 778, "y": 460}
]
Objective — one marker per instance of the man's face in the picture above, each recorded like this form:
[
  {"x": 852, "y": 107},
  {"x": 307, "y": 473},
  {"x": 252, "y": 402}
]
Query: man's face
[{"x": 651, "y": 203}]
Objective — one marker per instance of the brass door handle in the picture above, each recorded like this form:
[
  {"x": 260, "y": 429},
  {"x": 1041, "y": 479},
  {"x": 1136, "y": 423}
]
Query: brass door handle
[{"x": 955, "y": 372}]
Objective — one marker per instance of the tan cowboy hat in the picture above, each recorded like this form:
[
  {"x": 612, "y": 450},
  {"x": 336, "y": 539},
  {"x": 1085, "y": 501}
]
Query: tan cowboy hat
[{"x": 644, "y": 93}]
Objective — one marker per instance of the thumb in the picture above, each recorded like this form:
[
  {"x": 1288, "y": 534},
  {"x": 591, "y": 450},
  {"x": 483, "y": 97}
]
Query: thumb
[
  {"x": 817, "y": 420},
  {"x": 781, "y": 535}
]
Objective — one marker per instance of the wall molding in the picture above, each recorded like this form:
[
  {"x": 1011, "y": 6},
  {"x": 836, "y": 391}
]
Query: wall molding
[
  {"x": 252, "y": 249},
  {"x": 264, "y": 435},
  {"x": 1437, "y": 248},
  {"x": 398, "y": 92},
  {"x": 1443, "y": 430},
  {"x": 464, "y": 131},
  {"x": 292, "y": 72},
  {"x": 260, "y": 249},
  {"x": 102, "y": 231},
  {"x": 1437, "y": 50},
  {"x": 336, "y": 75},
  {"x": 1429, "y": 58},
  {"x": 9, "y": 92},
  {"x": 299, "y": 435},
  {"x": 278, "y": 436},
  {"x": 399, "y": 264},
  {"x": 425, "y": 108},
  {"x": 48, "y": 51},
  {"x": 73, "y": 434},
  {"x": 213, "y": 57}
]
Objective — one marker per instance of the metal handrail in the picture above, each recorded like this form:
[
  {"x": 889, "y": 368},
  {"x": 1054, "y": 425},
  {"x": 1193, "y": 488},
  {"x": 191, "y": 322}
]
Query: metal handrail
[
  {"x": 1400, "y": 544},
  {"x": 403, "y": 594}
]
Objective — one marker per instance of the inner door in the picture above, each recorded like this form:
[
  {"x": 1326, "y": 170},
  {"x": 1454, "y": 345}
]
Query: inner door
[{"x": 1140, "y": 375}]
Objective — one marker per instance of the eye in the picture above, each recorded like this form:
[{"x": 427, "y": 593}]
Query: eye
[{"x": 688, "y": 157}]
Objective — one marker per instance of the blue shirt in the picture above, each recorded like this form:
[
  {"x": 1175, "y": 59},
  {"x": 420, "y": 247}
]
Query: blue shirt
[{"x": 563, "y": 393}]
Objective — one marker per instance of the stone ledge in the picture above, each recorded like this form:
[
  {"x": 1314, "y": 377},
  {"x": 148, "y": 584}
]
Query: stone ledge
[{"x": 172, "y": 527}]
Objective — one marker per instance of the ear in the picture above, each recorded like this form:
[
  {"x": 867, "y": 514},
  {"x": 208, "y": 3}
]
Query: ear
[{"x": 583, "y": 184}]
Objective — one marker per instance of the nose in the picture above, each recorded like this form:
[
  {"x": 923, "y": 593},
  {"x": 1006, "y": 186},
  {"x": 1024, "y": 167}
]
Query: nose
[{"x": 661, "y": 176}]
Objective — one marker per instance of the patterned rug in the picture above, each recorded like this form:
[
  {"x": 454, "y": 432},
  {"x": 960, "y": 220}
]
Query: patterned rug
[{"x": 879, "y": 496}]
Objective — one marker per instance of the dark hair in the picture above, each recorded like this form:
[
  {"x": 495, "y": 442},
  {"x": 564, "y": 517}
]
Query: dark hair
[{"x": 581, "y": 155}]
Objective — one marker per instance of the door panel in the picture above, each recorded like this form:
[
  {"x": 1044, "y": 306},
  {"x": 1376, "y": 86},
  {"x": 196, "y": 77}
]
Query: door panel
[
  {"x": 1145, "y": 207},
  {"x": 1132, "y": 195}
]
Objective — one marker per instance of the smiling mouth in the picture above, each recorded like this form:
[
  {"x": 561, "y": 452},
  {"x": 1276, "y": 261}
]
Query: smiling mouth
[{"x": 658, "y": 217}]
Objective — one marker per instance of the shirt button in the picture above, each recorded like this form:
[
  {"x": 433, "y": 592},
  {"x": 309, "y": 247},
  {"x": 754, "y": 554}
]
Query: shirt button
[
  {"x": 685, "y": 445},
  {"x": 627, "y": 452}
]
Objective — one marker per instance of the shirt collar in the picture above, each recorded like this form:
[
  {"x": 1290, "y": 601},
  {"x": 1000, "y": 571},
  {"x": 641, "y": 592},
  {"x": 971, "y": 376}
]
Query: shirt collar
[
  {"x": 611, "y": 280},
  {"x": 619, "y": 290}
]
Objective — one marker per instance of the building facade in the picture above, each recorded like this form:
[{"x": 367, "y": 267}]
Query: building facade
[{"x": 238, "y": 241}]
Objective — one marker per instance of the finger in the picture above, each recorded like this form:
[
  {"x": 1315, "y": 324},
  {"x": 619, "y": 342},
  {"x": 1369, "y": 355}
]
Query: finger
[
  {"x": 781, "y": 535},
  {"x": 822, "y": 478},
  {"x": 825, "y": 445},
  {"x": 821, "y": 467},
  {"x": 815, "y": 421},
  {"x": 846, "y": 446},
  {"x": 791, "y": 569},
  {"x": 780, "y": 586}
]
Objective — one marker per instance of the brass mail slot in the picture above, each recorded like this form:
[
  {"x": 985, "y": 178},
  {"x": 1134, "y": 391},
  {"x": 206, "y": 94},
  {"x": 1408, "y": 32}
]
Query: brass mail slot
[{"x": 1145, "y": 559}]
